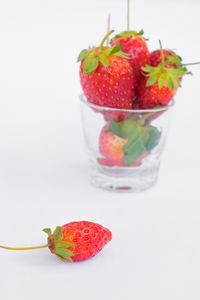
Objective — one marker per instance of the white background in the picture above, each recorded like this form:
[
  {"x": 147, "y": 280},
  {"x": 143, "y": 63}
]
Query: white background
[{"x": 155, "y": 251}]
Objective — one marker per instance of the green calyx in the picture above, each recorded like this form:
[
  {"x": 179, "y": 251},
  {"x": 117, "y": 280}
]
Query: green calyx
[
  {"x": 140, "y": 138},
  {"x": 56, "y": 244},
  {"x": 163, "y": 75},
  {"x": 129, "y": 34},
  {"x": 177, "y": 61},
  {"x": 93, "y": 56}
]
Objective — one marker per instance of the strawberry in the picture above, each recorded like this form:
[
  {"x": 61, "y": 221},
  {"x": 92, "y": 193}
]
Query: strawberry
[
  {"x": 111, "y": 146},
  {"x": 126, "y": 143},
  {"x": 88, "y": 238},
  {"x": 107, "y": 77},
  {"x": 150, "y": 96},
  {"x": 159, "y": 84},
  {"x": 134, "y": 44},
  {"x": 75, "y": 241}
]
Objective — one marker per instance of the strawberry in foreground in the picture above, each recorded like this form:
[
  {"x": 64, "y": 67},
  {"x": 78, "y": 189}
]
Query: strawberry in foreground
[
  {"x": 133, "y": 43},
  {"x": 159, "y": 84},
  {"x": 75, "y": 241},
  {"x": 107, "y": 77},
  {"x": 127, "y": 143}
]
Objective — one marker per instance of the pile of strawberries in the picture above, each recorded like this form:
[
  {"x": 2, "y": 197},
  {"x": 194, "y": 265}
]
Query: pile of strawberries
[{"x": 127, "y": 77}]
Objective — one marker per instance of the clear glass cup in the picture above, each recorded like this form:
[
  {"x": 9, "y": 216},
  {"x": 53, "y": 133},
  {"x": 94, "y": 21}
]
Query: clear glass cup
[{"x": 124, "y": 146}]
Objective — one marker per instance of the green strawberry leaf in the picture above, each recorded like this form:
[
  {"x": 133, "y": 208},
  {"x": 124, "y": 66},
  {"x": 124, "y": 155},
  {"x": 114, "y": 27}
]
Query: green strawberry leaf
[
  {"x": 148, "y": 69},
  {"x": 60, "y": 257},
  {"x": 141, "y": 32},
  {"x": 154, "y": 136},
  {"x": 58, "y": 235},
  {"x": 177, "y": 72},
  {"x": 84, "y": 53},
  {"x": 124, "y": 129},
  {"x": 151, "y": 80},
  {"x": 161, "y": 82},
  {"x": 122, "y": 54},
  {"x": 64, "y": 253},
  {"x": 176, "y": 60},
  {"x": 104, "y": 60},
  {"x": 170, "y": 82},
  {"x": 48, "y": 231},
  {"x": 117, "y": 48},
  {"x": 70, "y": 259},
  {"x": 144, "y": 133},
  {"x": 163, "y": 75},
  {"x": 64, "y": 244},
  {"x": 129, "y": 34},
  {"x": 90, "y": 64},
  {"x": 107, "y": 51},
  {"x": 56, "y": 244},
  {"x": 132, "y": 150}
]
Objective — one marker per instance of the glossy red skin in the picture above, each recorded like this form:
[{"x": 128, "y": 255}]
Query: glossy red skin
[
  {"x": 88, "y": 238},
  {"x": 112, "y": 86},
  {"x": 111, "y": 147},
  {"x": 139, "y": 53},
  {"x": 151, "y": 96},
  {"x": 156, "y": 58}
]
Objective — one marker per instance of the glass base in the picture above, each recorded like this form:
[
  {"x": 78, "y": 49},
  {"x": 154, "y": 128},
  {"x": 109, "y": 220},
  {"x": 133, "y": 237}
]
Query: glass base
[{"x": 124, "y": 179}]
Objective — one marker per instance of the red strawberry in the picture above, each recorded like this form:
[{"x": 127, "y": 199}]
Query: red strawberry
[
  {"x": 159, "y": 84},
  {"x": 88, "y": 238},
  {"x": 75, "y": 241},
  {"x": 150, "y": 96},
  {"x": 113, "y": 148},
  {"x": 134, "y": 44},
  {"x": 107, "y": 77}
]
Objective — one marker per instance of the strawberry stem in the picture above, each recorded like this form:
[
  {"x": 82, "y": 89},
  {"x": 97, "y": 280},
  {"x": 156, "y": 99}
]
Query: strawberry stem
[
  {"x": 162, "y": 54},
  {"x": 128, "y": 15},
  {"x": 27, "y": 248},
  {"x": 105, "y": 38},
  {"x": 190, "y": 64},
  {"x": 108, "y": 29}
]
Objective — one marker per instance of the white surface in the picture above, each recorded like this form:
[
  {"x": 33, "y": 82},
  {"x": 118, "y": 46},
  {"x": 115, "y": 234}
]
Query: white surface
[{"x": 155, "y": 249}]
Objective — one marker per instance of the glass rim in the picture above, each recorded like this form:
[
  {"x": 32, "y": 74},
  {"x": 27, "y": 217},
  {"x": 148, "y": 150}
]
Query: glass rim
[{"x": 159, "y": 109}]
